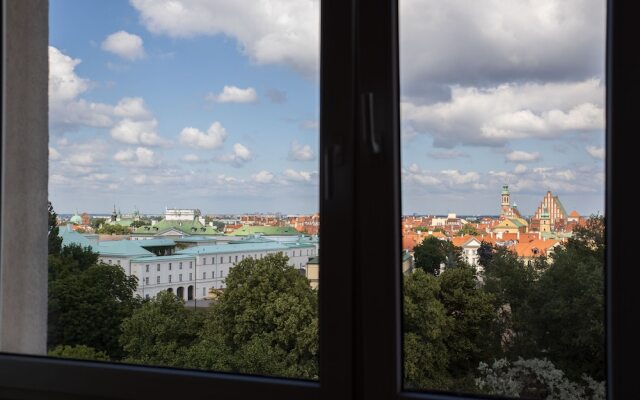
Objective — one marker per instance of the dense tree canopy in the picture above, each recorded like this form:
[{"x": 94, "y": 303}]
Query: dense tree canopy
[
  {"x": 161, "y": 331},
  {"x": 265, "y": 320},
  {"x": 432, "y": 252}
]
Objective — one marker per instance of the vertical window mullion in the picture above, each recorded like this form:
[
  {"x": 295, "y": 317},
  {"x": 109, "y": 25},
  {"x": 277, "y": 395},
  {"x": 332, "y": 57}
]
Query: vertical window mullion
[
  {"x": 378, "y": 243},
  {"x": 337, "y": 257}
]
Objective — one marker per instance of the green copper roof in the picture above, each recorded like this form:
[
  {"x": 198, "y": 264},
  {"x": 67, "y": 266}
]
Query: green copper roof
[
  {"x": 156, "y": 242},
  {"x": 122, "y": 248},
  {"x": 266, "y": 230},
  {"x": 240, "y": 248},
  {"x": 559, "y": 203},
  {"x": 69, "y": 236}
]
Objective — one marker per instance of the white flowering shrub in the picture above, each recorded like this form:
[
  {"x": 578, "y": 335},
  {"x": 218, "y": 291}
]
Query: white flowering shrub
[{"x": 535, "y": 379}]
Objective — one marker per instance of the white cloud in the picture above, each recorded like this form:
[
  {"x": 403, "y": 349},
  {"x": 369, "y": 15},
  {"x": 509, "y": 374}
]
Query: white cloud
[
  {"x": 263, "y": 177},
  {"x": 191, "y": 158},
  {"x": 137, "y": 132},
  {"x": 520, "y": 169},
  {"x": 240, "y": 156},
  {"x": 269, "y": 32},
  {"x": 233, "y": 94},
  {"x": 299, "y": 176},
  {"x": 64, "y": 84},
  {"x": 213, "y": 139},
  {"x": 132, "y": 107},
  {"x": 82, "y": 159},
  {"x": 519, "y": 156},
  {"x": 596, "y": 152},
  {"x": 301, "y": 152},
  {"x": 447, "y": 154},
  {"x": 125, "y": 45},
  {"x": 66, "y": 110},
  {"x": 54, "y": 155},
  {"x": 140, "y": 157},
  {"x": 494, "y": 116},
  {"x": 485, "y": 42},
  {"x": 456, "y": 177}
]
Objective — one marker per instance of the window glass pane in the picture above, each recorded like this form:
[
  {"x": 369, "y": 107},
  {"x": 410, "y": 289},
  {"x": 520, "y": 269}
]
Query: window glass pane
[
  {"x": 180, "y": 132},
  {"x": 502, "y": 110}
]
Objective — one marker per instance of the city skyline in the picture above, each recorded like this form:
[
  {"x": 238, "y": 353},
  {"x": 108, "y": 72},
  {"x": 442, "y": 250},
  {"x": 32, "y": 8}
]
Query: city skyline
[{"x": 152, "y": 110}]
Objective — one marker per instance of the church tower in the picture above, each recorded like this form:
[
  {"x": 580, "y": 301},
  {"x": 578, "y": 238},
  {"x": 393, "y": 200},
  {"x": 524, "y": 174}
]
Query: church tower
[
  {"x": 545, "y": 221},
  {"x": 506, "y": 201}
]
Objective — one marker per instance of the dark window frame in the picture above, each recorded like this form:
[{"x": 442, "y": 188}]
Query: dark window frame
[{"x": 361, "y": 343}]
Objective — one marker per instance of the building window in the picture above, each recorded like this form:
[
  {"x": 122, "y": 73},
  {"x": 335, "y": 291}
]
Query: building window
[
  {"x": 118, "y": 262},
  {"x": 158, "y": 279},
  {"x": 204, "y": 275},
  {"x": 157, "y": 268},
  {"x": 190, "y": 276},
  {"x": 179, "y": 277},
  {"x": 169, "y": 278},
  {"x": 229, "y": 259},
  {"x": 180, "y": 264},
  {"x": 169, "y": 266},
  {"x": 146, "y": 280},
  {"x": 191, "y": 264},
  {"x": 204, "y": 261},
  {"x": 236, "y": 258},
  {"x": 146, "y": 268},
  {"x": 213, "y": 260},
  {"x": 204, "y": 292},
  {"x": 221, "y": 260}
]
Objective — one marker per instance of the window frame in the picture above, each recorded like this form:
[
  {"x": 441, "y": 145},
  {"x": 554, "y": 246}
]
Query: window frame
[{"x": 359, "y": 50}]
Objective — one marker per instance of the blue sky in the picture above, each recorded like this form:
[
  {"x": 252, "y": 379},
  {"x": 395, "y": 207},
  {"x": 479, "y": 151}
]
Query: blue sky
[{"x": 214, "y": 105}]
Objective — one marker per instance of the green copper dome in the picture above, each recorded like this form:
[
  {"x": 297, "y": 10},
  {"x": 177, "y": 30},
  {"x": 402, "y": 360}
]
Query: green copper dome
[{"x": 76, "y": 219}]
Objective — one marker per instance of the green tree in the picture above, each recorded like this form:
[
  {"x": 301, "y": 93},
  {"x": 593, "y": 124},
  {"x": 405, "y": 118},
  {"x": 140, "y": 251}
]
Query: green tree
[
  {"x": 113, "y": 230},
  {"x": 87, "y": 306},
  {"x": 139, "y": 223},
  {"x": 566, "y": 316},
  {"x": 97, "y": 222},
  {"x": 265, "y": 322},
  {"x": 468, "y": 229},
  {"x": 79, "y": 352},
  {"x": 432, "y": 252},
  {"x": 55, "y": 241},
  {"x": 485, "y": 253},
  {"x": 161, "y": 332},
  {"x": 426, "y": 328},
  {"x": 475, "y": 330}
]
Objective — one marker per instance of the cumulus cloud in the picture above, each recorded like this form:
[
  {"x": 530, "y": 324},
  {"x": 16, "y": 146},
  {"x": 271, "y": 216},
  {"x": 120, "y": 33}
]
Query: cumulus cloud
[
  {"x": 495, "y": 116},
  {"x": 234, "y": 94},
  {"x": 142, "y": 132},
  {"x": 299, "y": 176},
  {"x": 132, "y": 107},
  {"x": 263, "y": 177},
  {"x": 596, "y": 152},
  {"x": 447, "y": 154},
  {"x": 140, "y": 157},
  {"x": 238, "y": 157},
  {"x": 125, "y": 45},
  {"x": 520, "y": 169},
  {"x": 191, "y": 158},
  {"x": 519, "y": 156},
  {"x": 66, "y": 110},
  {"x": 486, "y": 42},
  {"x": 301, "y": 152},
  {"x": 214, "y": 137},
  {"x": 269, "y": 32},
  {"x": 54, "y": 155}
]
